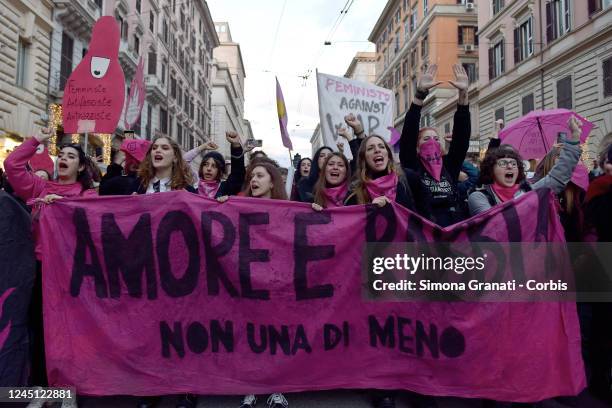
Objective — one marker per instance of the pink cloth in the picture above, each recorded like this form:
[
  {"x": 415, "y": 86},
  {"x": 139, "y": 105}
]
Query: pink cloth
[
  {"x": 131, "y": 314},
  {"x": 431, "y": 158},
  {"x": 580, "y": 176},
  {"x": 383, "y": 186},
  {"x": 42, "y": 161},
  {"x": 137, "y": 148},
  {"x": 505, "y": 193},
  {"x": 334, "y": 196},
  {"x": 208, "y": 189},
  {"x": 27, "y": 186}
]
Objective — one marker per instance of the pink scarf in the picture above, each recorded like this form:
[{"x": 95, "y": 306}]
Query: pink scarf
[
  {"x": 383, "y": 186},
  {"x": 505, "y": 193},
  {"x": 334, "y": 196},
  {"x": 431, "y": 158},
  {"x": 208, "y": 188}
]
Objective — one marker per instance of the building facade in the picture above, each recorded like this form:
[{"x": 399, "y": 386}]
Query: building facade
[
  {"x": 545, "y": 54},
  {"x": 362, "y": 67},
  {"x": 410, "y": 35},
  {"x": 228, "y": 78},
  {"x": 25, "y": 40},
  {"x": 175, "y": 40}
]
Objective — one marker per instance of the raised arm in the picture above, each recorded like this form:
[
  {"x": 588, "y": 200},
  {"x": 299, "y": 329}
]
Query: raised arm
[
  {"x": 234, "y": 181},
  {"x": 193, "y": 153},
  {"x": 354, "y": 143},
  {"x": 410, "y": 131},
  {"x": 462, "y": 127},
  {"x": 561, "y": 172},
  {"x": 25, "y": 184}
]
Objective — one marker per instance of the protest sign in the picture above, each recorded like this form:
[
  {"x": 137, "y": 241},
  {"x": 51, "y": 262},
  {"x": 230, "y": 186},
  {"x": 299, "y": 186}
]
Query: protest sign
[
  {"x": 338, "y": 97},
  {"x": 136, "y": 98}
]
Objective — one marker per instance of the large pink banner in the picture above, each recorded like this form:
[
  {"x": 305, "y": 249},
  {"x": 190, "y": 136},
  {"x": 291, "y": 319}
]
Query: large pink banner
[{"x": 172, "y": 293}]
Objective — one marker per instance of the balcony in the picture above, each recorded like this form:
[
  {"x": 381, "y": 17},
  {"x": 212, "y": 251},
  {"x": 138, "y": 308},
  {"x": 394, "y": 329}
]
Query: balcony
[
  {"x": 156, "y": 90},
  {"x": 78, "y": 16},
  {"x": 128, "y": 59}
]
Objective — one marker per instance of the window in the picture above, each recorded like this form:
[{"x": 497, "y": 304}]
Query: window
[
  {"x": 405, "y": 5},
  {"x": 173, "y": 87},
  {"x": 405, "y": 68},
  {"x": 398, "y": 16},
  {"x": 163, "y": 120},
  {"x": 182, "y": 20},
  {"x": 99, "y": 4},
  {"x": 406, "y": 30},
  {"x": 149, "y": 119},
  {"x": 152, "y": 66},
  {"x": 186, "y": 105},
  {"x": 470, "y": 68},
  {"x": 527, "y": 104},
  {"x": 397, "y": 104},
  {"x": 163, "y": 73},
  {"x": 607, "y": 77},
  {"x": 523, "y": 40},
  {"x": 66, "y": 59},
  {"x": 179, "y": 96},
  {"x": 499, "y": 114},
  {"x": 397, "y": 44},
  {"x": 137, "y": 45},
  {"x": 598, "y": 5},
  {"x": 497, "y": 5},
  {"x": 496, "y": 60},
  {"x": 564, "y": 93},
  {"x": 152, "y": 22},
  {"x": 425, "y": 8},
  {"x": 413, "y": 19},
  {"x": 22, "y": 63},
  {"x": 191, "y": 110},
  {"x": 179, "y": 134},
  {"x": 466, "y": 35},
  {"x": 165, "y": 24},
  {"x": 447, "y": 129},
  {"x": 139, "y": 5},
  {"x": 425, "y": 46},
  {"x": 413, "y": 58},
  {"x": 405, "y": 96},
  {"x": 397, "y": 77},
  {"x": 557, "y": 19}
]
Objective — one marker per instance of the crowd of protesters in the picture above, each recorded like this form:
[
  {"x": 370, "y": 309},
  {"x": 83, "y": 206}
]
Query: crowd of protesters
[{"x": 433, "y": 176}]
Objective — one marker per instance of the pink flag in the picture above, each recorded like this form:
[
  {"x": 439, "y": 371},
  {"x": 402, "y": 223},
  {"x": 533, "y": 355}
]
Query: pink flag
[
  {"x": 282, "y": 116},
  {"x": 395, "y": 135},
  {"x": 136, "y": 98}
]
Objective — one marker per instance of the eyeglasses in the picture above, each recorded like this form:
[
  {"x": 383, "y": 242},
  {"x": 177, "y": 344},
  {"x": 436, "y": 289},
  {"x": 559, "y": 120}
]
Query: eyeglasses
[{"x": 507, "y": 162}]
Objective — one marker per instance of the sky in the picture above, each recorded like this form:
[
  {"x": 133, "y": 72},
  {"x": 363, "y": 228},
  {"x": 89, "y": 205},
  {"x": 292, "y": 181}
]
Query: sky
[{"x": 298, "y": 48}]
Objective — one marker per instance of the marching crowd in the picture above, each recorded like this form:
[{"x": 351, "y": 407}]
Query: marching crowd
[{"x": 433, "y": 177}]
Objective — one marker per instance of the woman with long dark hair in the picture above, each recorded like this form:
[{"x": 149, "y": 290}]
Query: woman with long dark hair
[
  {"x": 74, "y": 172},
  {"x": 212, "y": 169},
  {"x": 303, "y": 170},
  {"x": 502, "y": 174},
  {"x": 306, "y": 184}
]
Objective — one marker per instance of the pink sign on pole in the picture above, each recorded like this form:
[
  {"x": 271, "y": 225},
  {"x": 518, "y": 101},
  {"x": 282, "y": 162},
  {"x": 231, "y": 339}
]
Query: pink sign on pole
[
  {"x": 260, "y": 296},
  {"x": 136, "y": 99},
  {"x": 95, "y": 91}
]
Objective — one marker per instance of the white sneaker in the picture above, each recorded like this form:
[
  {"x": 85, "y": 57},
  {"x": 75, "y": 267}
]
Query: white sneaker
[
  {"x": 70, "y": 402},
  {"x": 277, "y": 400},
  {"x": 249, "y": 401},
  {"x": 37, "y": 402}
]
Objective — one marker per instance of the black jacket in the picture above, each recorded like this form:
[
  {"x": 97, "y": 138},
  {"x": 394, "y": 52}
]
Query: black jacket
[
  {"x": 115, "y": 183},
  {"x": 441, "y": 202},
  {"x": 233, "y": 184}
]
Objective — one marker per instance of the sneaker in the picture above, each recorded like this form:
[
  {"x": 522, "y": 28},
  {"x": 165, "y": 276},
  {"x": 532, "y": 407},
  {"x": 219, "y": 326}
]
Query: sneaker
[
  {"x": 386, "y": 402},
  {"x": 277, "y": 401},
  {"x": 249, "y": 401},
  {"x": 148, "y": 402},
  {"x": 187, "y": 401},
  {"x": 70, "y": 402},
  {"x": 36, "y": 403}
]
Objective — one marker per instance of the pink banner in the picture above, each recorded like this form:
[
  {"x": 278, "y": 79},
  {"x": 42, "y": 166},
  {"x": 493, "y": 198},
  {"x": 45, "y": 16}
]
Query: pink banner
[{"x": 160, "y": 294}]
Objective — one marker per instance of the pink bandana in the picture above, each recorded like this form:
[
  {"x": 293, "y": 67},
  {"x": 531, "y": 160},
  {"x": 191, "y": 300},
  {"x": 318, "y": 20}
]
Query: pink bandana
[
  {"x": 431, "y": 158},
  {"x": 208, "y": 189},
  {"x": 334, "y": 196},
  {"x": 383, "y": 186},
  {"x": 505, "y": 193}
]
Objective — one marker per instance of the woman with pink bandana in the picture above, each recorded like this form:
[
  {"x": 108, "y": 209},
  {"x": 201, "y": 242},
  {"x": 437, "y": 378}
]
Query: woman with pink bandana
[
  {"x": 430, "y": 168},
  {"x": 122, "y": 173}
]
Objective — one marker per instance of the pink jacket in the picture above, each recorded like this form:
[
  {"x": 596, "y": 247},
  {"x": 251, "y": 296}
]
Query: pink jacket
[{"x": 28, "y": 186}]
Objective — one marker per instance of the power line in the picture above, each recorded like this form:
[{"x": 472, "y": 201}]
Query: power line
[{"x": 278, "y": 24}]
